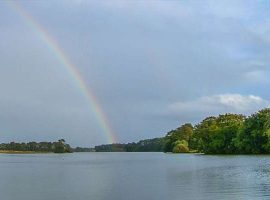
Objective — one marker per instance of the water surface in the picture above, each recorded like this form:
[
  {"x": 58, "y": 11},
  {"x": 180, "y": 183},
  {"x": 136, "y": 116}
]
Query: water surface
[{"x": 133, "y": 176}]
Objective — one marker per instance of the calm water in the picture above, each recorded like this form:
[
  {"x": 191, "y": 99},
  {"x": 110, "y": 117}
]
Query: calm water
[{"x": 133, "y": 176}]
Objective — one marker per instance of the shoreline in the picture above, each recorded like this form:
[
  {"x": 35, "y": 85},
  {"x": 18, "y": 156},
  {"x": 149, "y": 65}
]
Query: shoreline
[{"x": 22, "y": 152}]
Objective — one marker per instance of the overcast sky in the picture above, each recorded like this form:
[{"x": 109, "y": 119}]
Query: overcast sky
[{"x": 153, "y": 66}]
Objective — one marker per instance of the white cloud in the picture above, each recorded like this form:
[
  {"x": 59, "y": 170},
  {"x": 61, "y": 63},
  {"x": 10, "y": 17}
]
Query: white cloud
[{"x": 218, "y": 104}]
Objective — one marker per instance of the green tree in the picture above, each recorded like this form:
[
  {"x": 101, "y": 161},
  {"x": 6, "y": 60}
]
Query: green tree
[
  {"x": 216, "y": 134},
  {"x": 254, "y": 137},
  {"x": 184, "y": 132},
  {"x": 59, "y": 147},
  {"x": 180, "y": 146}
]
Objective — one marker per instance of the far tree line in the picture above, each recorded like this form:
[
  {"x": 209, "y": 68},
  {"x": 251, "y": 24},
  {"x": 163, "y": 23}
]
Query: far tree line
[
  {"x": 223, "y": 134},
  {"x": 56, "y": 147}
]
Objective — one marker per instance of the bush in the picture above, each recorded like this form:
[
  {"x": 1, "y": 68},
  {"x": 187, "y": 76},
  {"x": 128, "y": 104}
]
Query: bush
[{"x": 180, "y": 147}]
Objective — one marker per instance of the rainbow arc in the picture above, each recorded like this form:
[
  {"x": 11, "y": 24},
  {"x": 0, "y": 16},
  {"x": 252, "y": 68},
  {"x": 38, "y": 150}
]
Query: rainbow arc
[{"x": 72, "y": 69}]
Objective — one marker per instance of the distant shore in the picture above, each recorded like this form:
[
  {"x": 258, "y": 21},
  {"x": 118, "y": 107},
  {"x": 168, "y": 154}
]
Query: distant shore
[{"x": 22, "y": 152}]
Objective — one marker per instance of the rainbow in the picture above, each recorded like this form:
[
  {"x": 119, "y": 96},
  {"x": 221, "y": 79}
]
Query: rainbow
[{"x": 54, "y": 47}]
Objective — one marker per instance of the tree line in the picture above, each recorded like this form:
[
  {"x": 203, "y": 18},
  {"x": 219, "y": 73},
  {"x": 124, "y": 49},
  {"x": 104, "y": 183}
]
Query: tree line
[
  {"x": 56, "y": 147},
  {"x": 148, "y": 145},
  {"x": 223, "y": 134}
]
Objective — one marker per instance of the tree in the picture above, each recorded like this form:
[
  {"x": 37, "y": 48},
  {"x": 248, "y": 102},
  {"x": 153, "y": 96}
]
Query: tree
[
  {"x": 180, "y": 146},
  {"x": 184, "y": 132},
  {"x": 254, "y": 137},
  {"x": 216, "y": 134},
  {"x": 202, "y": 132},
  {"x": 59, "y": 147}
]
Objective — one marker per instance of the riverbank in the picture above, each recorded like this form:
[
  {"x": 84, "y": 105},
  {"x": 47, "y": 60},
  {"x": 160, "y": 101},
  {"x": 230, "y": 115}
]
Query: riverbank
[{"x": 22, "y": 152}]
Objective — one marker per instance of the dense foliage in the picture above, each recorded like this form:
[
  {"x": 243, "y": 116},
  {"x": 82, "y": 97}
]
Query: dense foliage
[
  {"x": 149, "y": 145},
  {"x": 83, "y": 149},
  {"x": 177, "y": 140},
  {"x": 110, "y": 148},
  {"x": 57, "y": 147},
  {"x": 218, "y": 134},
  {"x": 224, "y": 134},
  {"x": 254, "y": 136}
]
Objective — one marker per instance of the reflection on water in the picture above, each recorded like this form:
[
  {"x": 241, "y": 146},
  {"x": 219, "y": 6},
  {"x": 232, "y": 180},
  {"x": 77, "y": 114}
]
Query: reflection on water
[{"x": 131, "y": 176}]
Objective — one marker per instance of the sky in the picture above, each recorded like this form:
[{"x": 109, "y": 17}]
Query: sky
[{"x": 151, "y": 65}]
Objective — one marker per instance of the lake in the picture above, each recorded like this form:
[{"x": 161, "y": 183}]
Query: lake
[{"x": 133, "y": 176}]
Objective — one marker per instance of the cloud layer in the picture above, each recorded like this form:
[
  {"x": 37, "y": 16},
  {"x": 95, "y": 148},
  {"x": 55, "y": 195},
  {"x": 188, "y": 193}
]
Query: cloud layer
[{"x": 152, "y": 65}]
